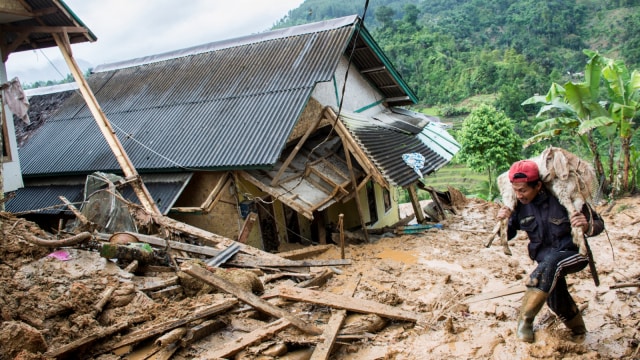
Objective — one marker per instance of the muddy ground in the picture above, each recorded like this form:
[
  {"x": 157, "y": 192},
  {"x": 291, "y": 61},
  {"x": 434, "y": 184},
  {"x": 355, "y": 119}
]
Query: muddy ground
[{"x": 47, "y": 302}]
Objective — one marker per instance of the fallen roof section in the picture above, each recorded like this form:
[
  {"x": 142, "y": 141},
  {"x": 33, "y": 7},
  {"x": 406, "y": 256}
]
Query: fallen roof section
[
  {"x": 44, "y": 198},
  {"x": 385, "y": 142}
]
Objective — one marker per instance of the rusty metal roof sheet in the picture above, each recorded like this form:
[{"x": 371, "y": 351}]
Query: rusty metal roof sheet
[
  {"x": 231, "y": 106},
  {"x": 385, "y": 142}
]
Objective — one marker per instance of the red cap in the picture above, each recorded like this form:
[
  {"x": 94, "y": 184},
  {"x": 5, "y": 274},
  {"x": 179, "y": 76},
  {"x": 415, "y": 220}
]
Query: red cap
[{"x": 527, "y": 170}]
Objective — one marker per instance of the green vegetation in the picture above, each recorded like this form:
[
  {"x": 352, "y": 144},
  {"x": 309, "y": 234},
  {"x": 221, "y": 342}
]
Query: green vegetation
[
  {"x": 460, "y": 54},
  {"x": 489, "y": 144}
]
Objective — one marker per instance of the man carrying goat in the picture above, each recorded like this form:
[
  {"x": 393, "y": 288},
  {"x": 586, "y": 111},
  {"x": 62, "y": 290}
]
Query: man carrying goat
[{"x": 548, "y": 225}]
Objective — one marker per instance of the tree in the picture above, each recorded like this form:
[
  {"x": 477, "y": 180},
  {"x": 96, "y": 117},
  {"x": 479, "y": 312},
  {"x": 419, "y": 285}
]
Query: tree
[
  {"x": 489, "y": 143},
  {"x": 624, "y": 105},
  {"x": 573, "y": 108}
]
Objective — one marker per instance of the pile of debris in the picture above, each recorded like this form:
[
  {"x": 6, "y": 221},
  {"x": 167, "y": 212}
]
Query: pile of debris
[{"x": 97, "y": 294}]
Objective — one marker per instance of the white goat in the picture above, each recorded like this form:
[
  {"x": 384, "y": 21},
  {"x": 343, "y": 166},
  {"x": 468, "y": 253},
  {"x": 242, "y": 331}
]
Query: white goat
[{"x": 570, "y": 179}]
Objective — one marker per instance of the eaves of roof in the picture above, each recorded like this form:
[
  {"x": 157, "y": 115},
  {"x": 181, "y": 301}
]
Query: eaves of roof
[{"x": 34, "y": 25}]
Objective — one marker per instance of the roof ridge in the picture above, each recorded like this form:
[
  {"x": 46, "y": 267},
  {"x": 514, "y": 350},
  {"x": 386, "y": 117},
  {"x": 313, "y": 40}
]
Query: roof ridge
[{"x": 233, "y": 42}]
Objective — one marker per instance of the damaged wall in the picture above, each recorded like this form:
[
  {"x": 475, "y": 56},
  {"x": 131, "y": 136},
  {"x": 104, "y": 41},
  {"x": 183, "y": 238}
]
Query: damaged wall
[{"x": 223, "y": 219}]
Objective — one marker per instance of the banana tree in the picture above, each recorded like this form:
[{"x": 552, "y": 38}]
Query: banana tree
[
  {"x": 624, "y": 105},
  {"x": 574, "y": 109}
]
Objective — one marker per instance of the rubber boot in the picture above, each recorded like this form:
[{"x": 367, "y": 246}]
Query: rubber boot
[
  {"x": 576, "y": 325},
  {"x": 532, "y": 302}
]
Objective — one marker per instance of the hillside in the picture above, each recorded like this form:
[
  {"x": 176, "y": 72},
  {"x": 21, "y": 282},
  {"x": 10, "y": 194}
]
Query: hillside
[{"x": 450, "y": 50}]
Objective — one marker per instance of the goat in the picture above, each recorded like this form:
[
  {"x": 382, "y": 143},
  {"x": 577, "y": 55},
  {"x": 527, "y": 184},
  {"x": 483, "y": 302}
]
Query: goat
[{"x": 570, "y": 179}]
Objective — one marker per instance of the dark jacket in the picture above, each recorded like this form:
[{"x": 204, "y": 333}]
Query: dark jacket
[{"x": 547, "y": 223}]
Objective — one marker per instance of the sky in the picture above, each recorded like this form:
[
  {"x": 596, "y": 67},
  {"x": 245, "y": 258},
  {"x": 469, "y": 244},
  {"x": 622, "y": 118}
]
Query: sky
[{"x": 129, "y": 29}]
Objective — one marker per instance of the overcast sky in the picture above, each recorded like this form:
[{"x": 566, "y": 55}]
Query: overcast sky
[{"x": 128, "y": 29}]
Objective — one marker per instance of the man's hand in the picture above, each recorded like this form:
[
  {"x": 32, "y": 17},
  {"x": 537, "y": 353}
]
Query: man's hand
[
  {"x": 579, "y": 220},
  {"x": 504, "y": 213}
]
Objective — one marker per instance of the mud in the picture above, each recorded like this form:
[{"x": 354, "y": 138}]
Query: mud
[{"x": 46, "y": 302}]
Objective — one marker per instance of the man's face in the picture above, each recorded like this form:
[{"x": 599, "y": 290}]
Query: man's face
[{"x": 524, "y": 192}]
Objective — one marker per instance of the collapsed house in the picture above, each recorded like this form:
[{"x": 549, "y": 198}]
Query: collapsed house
[{"x": 302, "y": 126}]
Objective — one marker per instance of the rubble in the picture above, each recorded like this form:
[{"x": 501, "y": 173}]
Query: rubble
[{"x": 425, "y": 295}]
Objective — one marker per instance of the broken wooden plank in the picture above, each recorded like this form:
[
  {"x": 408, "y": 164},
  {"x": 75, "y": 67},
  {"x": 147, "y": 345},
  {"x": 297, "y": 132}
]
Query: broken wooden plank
[
  {"x": 201, "y": 330},
  {"x": 171, "y": 337},
  {"x": 246, "y": 227},
  {"x": 104, "y": 298},
  {"x": 146, "y": 333},
  {"x": 346, "y": 302},
  {"x": 75, "y": 346},
  {"x": 305, "y": 252},
  {"x": 318, "y": 280},
  {"x": 167, "y": 292},
  {"x": 231, "y": 348},
  {"x": 166, "y": 352},
  {"x": 323, "y": 350},
  {"x": 248, "y": 297},
  {"x": 158, "y": 284},
  {"x": 83, "y": 219}
]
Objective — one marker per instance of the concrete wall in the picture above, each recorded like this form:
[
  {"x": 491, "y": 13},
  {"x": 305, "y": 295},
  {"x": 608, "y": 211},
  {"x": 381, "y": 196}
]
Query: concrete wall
[
  {"x": 359, "y": 95},
  {"x": 11, "y": 173}
]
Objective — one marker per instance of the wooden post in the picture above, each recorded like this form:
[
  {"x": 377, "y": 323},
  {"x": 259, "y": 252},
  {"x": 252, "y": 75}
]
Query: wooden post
[
  {"x": 415, "y": 202},
  {"x": 347, "y": 155},
  {"x": 341, "y": 227},
  {"x": 62, "y": 40}
]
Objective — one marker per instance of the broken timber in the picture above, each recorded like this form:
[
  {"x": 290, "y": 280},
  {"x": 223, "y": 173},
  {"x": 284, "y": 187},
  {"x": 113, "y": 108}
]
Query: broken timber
[
  {"x": 241, "y": 260},
  {"x": 231, "y": 348},
  {"x": 75, "y": 346},
  {"x": 323, "y": 350},
  {"x": 248, "y": 297},
  {"x": 347, "y": 302},
  {"x": 161, "y": 328}
]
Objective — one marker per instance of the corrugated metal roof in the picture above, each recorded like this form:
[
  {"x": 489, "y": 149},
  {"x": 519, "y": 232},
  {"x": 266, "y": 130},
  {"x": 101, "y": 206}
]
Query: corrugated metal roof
[
  {"x": 164, "y": 188},
  {"x": 229, "y": 108},
  {"x": 41, "y": 15},
  {"x": 385, "y": 144},
  {"x": 227, "y": 105}
]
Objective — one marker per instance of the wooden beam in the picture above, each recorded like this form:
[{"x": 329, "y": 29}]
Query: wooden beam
[
  {"x": 304, "y": 252},
  {"x": 360, "y": 156},
  {"x": 227, "y": 350},
  {"x": 246, "y": 227},
  {"x": 45, "y": 29},
  {"x": 323, "y": 350},
  {"x": 76, "y": 212},
  {"x": 347, "y": 303},
  {"x": 105, "y": 127},
  {"x": 415, "y": 202},
  {"x": 347, "y": 154},
  {"x": 248, "y": 260},
  {"x": 163, "y": 327},
  {"x": 248, "y": 297},
  {"x": 75, "y": 346},
  {"x": 293, "y": 154},
  {"x": 208, "y": 204}
]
